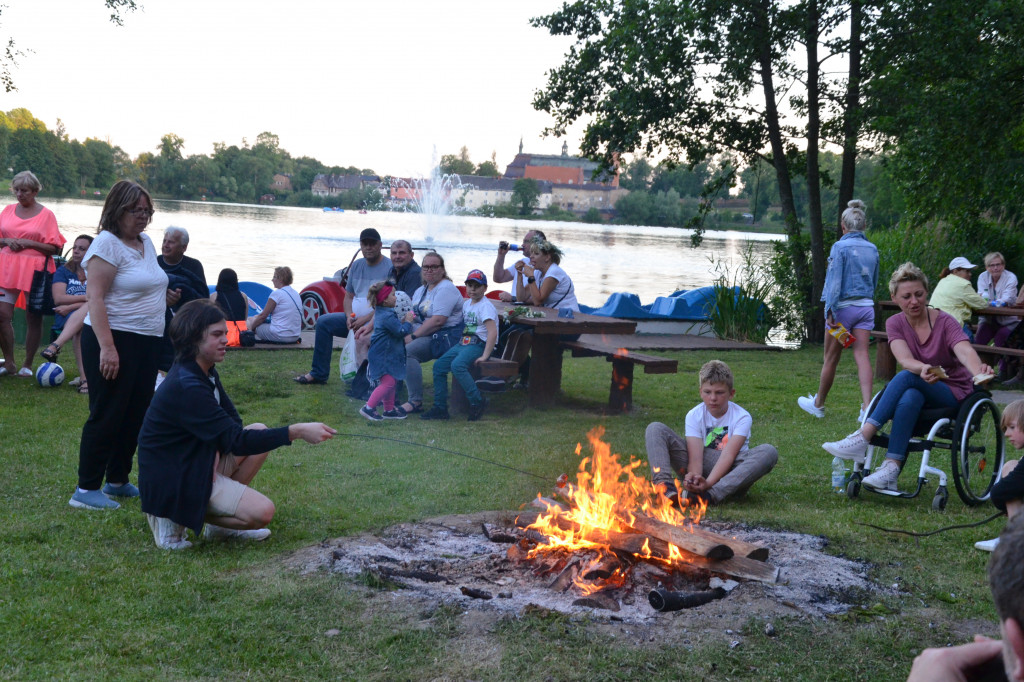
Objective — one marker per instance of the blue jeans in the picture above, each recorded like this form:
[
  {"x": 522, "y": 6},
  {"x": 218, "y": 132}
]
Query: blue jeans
[
  {"x": 459, "y": 360},
  {"x": 327, "y": 327},
  {"x": 902, "y": 401}
]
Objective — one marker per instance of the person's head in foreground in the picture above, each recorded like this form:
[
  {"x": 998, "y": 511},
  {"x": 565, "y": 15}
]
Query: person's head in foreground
[
  {"x": 199, "y": 333},
  {"x": 716, "y": 387},
  {"x": 476, "y": 285},
  {"x": 988, "y": 659}
]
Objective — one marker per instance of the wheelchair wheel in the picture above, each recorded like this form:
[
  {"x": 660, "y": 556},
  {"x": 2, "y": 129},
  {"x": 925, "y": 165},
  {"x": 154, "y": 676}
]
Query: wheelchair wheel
[
  {"x": 940, "y": 499},
  {"x": 853, "y": 488},
  {"x": 977, "y": 449}
]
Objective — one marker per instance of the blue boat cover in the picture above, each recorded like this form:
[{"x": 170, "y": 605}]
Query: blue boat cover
[{"x": 258, "y": 293}]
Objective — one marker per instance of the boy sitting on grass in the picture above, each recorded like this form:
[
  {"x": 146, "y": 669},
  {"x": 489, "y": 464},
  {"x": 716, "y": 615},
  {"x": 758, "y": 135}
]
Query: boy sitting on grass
[
  {"x": 713, "y": 459},
  {"x": 1008, "y": 493},
  {"x": 478, "y": 339}
]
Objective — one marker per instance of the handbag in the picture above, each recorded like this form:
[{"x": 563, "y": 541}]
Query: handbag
[
  {"x": 235, "y": 331},
  {"x": 40, "y": 295},
  {"x": 443, "y": 339},
  {"x": 247, "y": 338}
]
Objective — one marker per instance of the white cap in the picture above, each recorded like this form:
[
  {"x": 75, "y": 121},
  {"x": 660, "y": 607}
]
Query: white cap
[{"x": 961, "y": 262}]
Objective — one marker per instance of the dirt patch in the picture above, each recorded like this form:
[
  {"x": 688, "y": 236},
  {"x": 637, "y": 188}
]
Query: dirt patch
[{"x": 434, "y": 562}]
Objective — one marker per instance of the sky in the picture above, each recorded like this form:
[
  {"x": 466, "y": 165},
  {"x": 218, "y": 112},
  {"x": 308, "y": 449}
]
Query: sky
[{"x": 365, "y": 84}]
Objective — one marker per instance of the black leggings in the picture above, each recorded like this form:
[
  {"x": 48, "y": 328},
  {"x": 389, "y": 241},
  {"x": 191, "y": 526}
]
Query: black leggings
[{"x": 116, "y": 408}]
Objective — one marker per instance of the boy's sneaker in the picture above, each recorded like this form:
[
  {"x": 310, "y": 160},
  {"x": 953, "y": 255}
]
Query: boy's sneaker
[
  {"x": 123, "y": 490},
  {"x": 370, "y": 413},
  {"x": 167, "y": 533},
  {"x": 853, "y": 447},
  {"x": 692, "y": 499},
  {"x": 92, "y": 499},
  {"x": 884, "y": 477},
  {"x": 212, "y": 532},
  {"x": 670, "y": 492},
  {"x": 476, "y": 411},
  {"x": 987, "y": 545},
  {"x": 491, "y": 384},
  {"x": 435, "y": 412},
  {"x": 396, "y": 413},
  {"x": 806, "y": 403},
  {"x": 862, "y": 416}
]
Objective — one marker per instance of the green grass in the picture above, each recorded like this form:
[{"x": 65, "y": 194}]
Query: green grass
[{"x": 87, "y": 595}]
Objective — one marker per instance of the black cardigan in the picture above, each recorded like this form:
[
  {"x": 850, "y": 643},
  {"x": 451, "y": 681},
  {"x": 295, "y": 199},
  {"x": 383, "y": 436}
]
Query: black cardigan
[{"x": 184, "y": 429}]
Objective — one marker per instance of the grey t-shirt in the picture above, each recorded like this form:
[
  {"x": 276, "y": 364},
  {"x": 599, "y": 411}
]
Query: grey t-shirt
[{"x": 361, "y": 276}]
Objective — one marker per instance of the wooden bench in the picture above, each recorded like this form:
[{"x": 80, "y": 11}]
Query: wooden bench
[
  {"x": 517, "y": 349},
  {"x": 620, "y": 396},
  {"x": 885, "y": 361}
]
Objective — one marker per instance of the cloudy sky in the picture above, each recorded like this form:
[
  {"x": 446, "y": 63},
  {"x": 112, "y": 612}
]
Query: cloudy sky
[{"x": 370, "y": 84}]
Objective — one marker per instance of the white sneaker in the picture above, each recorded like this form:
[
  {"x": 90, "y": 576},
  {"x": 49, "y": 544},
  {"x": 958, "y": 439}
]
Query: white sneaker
[
  {"x": 987, "y": 545},
  {"x": 808, "y": 406},
  {"x": 167, "y": 533},
  {"x": 862, "y": 416},
  {"x": 212, "y": 532},
  {"x": 884, "y": 477},
  {"x": 854, "y": 447}
]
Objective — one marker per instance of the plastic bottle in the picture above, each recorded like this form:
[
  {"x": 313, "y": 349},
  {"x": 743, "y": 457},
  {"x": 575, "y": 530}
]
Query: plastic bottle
[
  {"x": 513, "y": 247},
  {"x": 838, "y": 475}
]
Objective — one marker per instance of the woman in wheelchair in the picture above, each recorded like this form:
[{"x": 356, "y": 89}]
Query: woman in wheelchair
[{"x": 939, "y": 370}]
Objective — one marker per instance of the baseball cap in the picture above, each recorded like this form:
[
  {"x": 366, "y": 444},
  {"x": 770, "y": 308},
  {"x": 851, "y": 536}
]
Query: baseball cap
[
  {"x": 476, "y": 276},
  {"x": 369, "y": 234},
  {"x": 961, "y": 262}
]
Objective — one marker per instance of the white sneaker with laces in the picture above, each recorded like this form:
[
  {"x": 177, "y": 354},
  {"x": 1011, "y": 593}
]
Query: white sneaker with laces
[
  {"x": 987, "y": 545},
  {"x": 884, "y": 477},
  {"x": 167, "y": 533},
  {"x": 806, "y": 403},
  {"x": 212, "y": 532},
  {"x": 854, "y": 447}
]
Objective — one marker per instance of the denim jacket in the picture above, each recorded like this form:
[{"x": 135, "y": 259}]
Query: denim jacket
[
  {"x": 387, "y": 345},
  {"x": 852, "y": 270}
]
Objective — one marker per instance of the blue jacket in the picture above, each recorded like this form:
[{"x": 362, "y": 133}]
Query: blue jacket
[
  {"x": 852, "y": 270},
  {"x": 387, "y": 345}
]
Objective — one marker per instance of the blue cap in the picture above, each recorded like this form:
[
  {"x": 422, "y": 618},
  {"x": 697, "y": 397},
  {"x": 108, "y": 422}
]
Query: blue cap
[{"x": 476, "y": 276}]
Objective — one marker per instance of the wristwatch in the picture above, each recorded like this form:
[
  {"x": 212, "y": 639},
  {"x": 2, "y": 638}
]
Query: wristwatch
[
  {"x": 412, "y": 337},
  {"x": 531, "y": 280}
]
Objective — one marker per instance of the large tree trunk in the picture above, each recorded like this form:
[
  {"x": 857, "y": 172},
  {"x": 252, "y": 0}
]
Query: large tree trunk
[
  {"x": 851, "y": 115},
  {"x": 816, "y": 324}
]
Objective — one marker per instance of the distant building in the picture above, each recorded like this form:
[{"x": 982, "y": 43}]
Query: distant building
[
  {"x": 568, "y": 182},
  {"x": 282, "y": 182},
  {"x": 480, "y": 191},
  {"x": 330, "y": 185}
]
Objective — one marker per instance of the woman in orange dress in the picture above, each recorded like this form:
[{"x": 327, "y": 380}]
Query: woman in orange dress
[{"x": 28, "y": 239}]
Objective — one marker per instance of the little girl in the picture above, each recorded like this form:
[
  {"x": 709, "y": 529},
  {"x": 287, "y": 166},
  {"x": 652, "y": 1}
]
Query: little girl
[{"x": 386, "y": 358}]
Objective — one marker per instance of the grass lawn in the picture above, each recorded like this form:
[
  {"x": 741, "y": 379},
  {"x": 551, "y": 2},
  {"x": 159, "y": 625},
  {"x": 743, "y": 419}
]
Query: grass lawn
[{"x": 87, "y": 595}]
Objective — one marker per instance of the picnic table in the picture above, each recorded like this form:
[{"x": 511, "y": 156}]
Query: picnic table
[
  {"x": 546, "y": 365},
  {"x": 885, "y": 363}
]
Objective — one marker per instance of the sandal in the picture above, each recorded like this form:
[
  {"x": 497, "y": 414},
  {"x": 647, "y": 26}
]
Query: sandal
[
  {"x": 83, "y": 388},
  {"x": 51, "y": 355},
  {"x": 306, "y": 379},
  {"x": 413, "y": 407},
  {"x": 76, "y": 382}
]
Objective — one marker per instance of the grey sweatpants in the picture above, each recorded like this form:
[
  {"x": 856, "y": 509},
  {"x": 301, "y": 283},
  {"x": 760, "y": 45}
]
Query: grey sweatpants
[{"x": 667, "y": 454}]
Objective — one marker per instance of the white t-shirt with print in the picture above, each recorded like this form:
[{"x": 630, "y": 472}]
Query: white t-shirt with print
[
  {"x": 137, "y": 298},
  {"x": 475, "y": 314},
  {"x": 715, "y": 432}
]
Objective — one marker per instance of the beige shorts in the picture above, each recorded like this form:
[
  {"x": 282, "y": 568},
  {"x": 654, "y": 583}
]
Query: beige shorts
[
  {"x": 227, "y": 492},
  {"x": 9, "y": 296}
]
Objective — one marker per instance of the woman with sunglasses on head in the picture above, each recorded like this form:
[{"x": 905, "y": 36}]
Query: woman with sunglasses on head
[{"x": 126, "y": 298}]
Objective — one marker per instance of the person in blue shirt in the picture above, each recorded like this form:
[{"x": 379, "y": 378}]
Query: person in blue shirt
[
  {"x": 850, "y": 283},
  {"x": 386, "y": 356}
]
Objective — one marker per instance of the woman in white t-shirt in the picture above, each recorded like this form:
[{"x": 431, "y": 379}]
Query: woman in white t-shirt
[
  {"x": 549, "y": 285},
  {"x": 126, "y": 298},
  {"x": 284, "y": 310}
]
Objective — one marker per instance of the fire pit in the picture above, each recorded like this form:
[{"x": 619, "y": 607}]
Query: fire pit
[{"x": 608, "y": 545}]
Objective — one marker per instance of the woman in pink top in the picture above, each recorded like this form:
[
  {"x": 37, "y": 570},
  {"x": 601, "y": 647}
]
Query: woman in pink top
[
  {"x": 28, "y": 239},
  {"x": 939, "y": 366}
]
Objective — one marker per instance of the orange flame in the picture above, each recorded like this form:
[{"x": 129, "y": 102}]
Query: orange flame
[{"x": 606, "y": 489}]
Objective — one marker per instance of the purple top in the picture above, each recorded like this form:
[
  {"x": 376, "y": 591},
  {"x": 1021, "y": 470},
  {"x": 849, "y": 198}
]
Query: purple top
[{"x": 937, "y": 349}]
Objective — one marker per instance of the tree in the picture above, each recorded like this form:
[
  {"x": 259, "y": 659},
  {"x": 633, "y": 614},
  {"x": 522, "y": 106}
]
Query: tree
[
  {"x": 636, "y": 175},
  {"x": 488, "y": 169},
  {"x": 525, "y": 195},
  {"x": 457, "y": 165}
]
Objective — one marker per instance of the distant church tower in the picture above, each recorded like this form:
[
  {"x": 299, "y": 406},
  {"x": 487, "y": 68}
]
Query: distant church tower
[
  {"x": 520, "y": 145},
  {"x": 565, "y": 148}
]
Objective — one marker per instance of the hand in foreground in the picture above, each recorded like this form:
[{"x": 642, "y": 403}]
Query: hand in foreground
[
  {"x": 409, "y": 316},
  {"x": 928, "y": 376},
  {"x": 695, "y": 483},
  {"x": 480, "y": 360},
  {"x": 110, "y": 363},
  {"x": 173, "y": 296},
  {"x": 965, "y": 662},
  {"x": 505, "y": 296},
  {"x": 311, "y": 432}
]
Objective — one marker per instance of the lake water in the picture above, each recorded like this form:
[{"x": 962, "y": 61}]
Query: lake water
[{"x": 601, "y": 259}]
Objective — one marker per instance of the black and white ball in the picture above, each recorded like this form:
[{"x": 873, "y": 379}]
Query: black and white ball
[
  {"x": 49, "y": 374},
  {"x": 403, "y": 303}
]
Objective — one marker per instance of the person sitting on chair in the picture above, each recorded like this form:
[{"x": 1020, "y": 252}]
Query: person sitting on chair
[{"x": 939, "y": 370}]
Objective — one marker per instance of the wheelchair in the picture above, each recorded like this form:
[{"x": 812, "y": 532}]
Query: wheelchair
[{"x": 971, "y": 433}]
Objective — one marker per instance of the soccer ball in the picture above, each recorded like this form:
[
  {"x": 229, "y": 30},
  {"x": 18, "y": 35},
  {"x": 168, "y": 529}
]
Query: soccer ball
[
  {"x": 49, "y": 374},
  {"x": 403, "y": 303}
]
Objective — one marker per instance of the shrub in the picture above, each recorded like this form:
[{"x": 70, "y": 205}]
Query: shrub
[{"x": 740, "y": 306}]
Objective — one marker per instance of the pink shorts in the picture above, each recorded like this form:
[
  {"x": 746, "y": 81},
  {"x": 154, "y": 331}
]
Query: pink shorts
[
  {"x": 227, "y": 492},
  {"x": 9, "y": 296},
  {"x": 856, "y": 317}
]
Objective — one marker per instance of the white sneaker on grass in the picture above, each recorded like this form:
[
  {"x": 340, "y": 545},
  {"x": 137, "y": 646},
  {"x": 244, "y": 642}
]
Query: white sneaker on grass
[
  {"x": 212, "y": 532},
  {"x": 167, "y": 533},
  {"x": 884, "y": 477},
  {"x": 987, "y": 545},
  {"x": 806, "y": 403},
  {"x": 854, "y": 447}
]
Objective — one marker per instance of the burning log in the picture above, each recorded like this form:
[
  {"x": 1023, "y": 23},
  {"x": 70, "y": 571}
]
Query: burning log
[
  {"x": 565, "y": 578},
  {"x": 703, "y": 544},
  {"x": 666, "y": 600}
]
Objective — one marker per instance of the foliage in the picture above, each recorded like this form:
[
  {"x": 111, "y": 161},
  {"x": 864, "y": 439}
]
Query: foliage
[
  {"x": 593, "y": 216},
  {"x": 793, "y": 285},
  {"x": 460, "y": 164},
  {"x": 740, "y": 307},
  {"x": 525, "y": 195}
]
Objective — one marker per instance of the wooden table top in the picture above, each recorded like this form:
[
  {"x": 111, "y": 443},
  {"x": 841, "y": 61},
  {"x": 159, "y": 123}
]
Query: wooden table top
[{"x": 580, "y": 323}]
